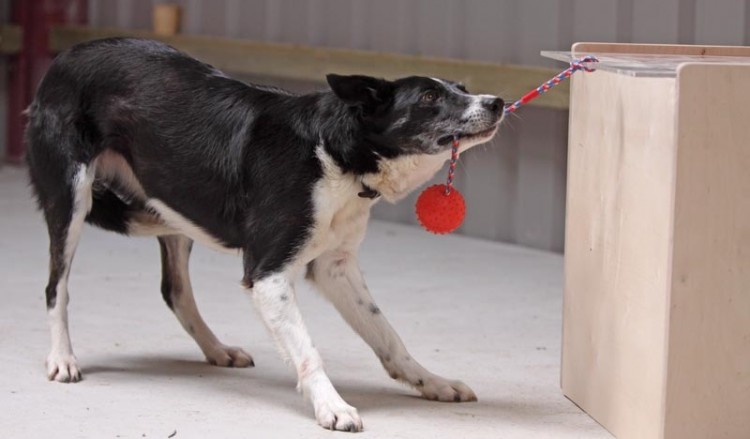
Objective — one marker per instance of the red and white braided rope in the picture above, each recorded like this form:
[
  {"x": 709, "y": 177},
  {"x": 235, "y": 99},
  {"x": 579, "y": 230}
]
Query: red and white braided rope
[{"x": 575, "y": 65}]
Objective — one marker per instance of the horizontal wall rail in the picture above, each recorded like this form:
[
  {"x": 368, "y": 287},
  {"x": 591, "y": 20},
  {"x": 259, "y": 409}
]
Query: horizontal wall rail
[{"x": 296, "y": 62}]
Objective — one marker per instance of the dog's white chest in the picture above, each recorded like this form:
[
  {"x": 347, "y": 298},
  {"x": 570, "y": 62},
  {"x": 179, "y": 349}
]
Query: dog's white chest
[{"x": 340, "y": 217}]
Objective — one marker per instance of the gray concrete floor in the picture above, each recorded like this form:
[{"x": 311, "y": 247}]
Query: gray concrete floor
[{"x": 485, "y": 313}]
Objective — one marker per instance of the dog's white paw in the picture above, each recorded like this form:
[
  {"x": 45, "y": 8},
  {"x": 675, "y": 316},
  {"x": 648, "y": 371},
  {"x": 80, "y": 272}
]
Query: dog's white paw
[
  {"x": 229, "y": 356},
  {"x": 63, "y": 368},
  {"x": 440, "y": 389},
  {"x": 338, "y": 415}
]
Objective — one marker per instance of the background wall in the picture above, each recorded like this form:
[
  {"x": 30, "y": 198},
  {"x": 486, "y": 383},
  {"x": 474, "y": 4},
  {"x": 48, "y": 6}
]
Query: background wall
[
  {"x": 509, "y": 31},
  {"x": 515, "y": 186}
]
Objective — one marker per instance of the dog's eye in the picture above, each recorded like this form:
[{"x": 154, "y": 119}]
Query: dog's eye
[{"x": 429, "y": 96}]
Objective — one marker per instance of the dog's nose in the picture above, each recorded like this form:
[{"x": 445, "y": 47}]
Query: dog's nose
[{"x": 495, "y": 105}]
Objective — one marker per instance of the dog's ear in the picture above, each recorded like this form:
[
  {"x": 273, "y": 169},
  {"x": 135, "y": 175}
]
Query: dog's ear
[{"x": 364, "y": 91}]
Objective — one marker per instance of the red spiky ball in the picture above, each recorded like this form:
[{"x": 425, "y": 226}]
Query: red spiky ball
[{"x": 439, "y": 212}]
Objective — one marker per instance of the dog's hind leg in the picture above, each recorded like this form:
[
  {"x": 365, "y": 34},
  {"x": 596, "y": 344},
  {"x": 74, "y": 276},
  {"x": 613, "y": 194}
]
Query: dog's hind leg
[
  {"x": 65, "y": 215},
  {"x": 178, "y": 294},
  {"x": 338, "y": 277}
]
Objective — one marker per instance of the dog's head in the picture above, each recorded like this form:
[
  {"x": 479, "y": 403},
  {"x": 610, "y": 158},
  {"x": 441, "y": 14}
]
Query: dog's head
[{"x": 419, "y": 115}]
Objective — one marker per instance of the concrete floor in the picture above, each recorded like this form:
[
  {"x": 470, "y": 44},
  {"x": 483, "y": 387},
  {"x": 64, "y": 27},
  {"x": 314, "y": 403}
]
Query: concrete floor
[{"x": 481, "y": 312}]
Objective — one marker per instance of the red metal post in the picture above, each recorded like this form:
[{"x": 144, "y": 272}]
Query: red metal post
[
  {"x": 18, "y": 78},
  {"x": 26, "y": 69}
]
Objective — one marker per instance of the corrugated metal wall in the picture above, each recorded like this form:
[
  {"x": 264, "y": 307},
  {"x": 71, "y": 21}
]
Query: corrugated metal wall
[
  {"x": 509, "y": 31},
  {"x": 515, "y": 187}
]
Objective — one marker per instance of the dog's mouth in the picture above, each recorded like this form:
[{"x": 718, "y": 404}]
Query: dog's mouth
[{"x": 489, "y": 132}]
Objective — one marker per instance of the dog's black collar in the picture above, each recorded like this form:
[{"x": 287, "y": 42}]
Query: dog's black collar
[{"x": 368, "y": 192}]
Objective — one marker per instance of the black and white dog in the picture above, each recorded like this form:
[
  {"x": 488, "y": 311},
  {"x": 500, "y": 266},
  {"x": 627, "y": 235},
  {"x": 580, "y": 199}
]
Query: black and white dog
[{"x": 138, "y": 138}]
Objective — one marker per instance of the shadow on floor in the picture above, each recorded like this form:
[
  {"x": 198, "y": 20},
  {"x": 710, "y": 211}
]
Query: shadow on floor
[{"x": 274, "y": 386}]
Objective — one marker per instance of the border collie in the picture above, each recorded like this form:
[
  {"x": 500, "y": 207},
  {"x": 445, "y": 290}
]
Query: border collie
[{"x": 136, "y": 137}]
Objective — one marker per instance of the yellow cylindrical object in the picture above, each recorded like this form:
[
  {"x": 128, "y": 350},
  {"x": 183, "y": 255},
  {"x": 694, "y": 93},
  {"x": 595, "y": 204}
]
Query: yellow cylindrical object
[{"x": 167, "y": 19}]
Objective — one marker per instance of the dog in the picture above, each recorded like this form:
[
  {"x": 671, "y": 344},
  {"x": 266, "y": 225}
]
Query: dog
[{"x": 138, "y": 138}]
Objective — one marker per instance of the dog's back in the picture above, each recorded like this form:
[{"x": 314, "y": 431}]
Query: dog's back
[{"x": 160, "y": 125}]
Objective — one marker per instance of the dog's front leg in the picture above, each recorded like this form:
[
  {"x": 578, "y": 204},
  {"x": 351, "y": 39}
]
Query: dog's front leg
[
  {"x": 339, "y": 279},
  {"x": 274, "y": 299}
]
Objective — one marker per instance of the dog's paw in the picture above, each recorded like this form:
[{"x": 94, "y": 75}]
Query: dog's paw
[
  {"x": 338, "y": 415},
  {"x": 440, "y": 389},
  {"x": 229, "y": 356},
  {"x": 63, "y": 368}
]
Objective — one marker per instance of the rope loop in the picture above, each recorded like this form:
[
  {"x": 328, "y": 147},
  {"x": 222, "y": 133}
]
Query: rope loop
[{"x": 583, "y": 63}]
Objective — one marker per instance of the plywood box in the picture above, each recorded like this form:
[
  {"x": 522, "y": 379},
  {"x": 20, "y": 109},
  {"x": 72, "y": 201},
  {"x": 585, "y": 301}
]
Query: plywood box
[{"x": 656, "y": 326}]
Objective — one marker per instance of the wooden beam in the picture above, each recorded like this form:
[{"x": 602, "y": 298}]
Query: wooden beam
[
  {"x": 296, "y": 62},
  {"x": 11, "y": 36}
]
